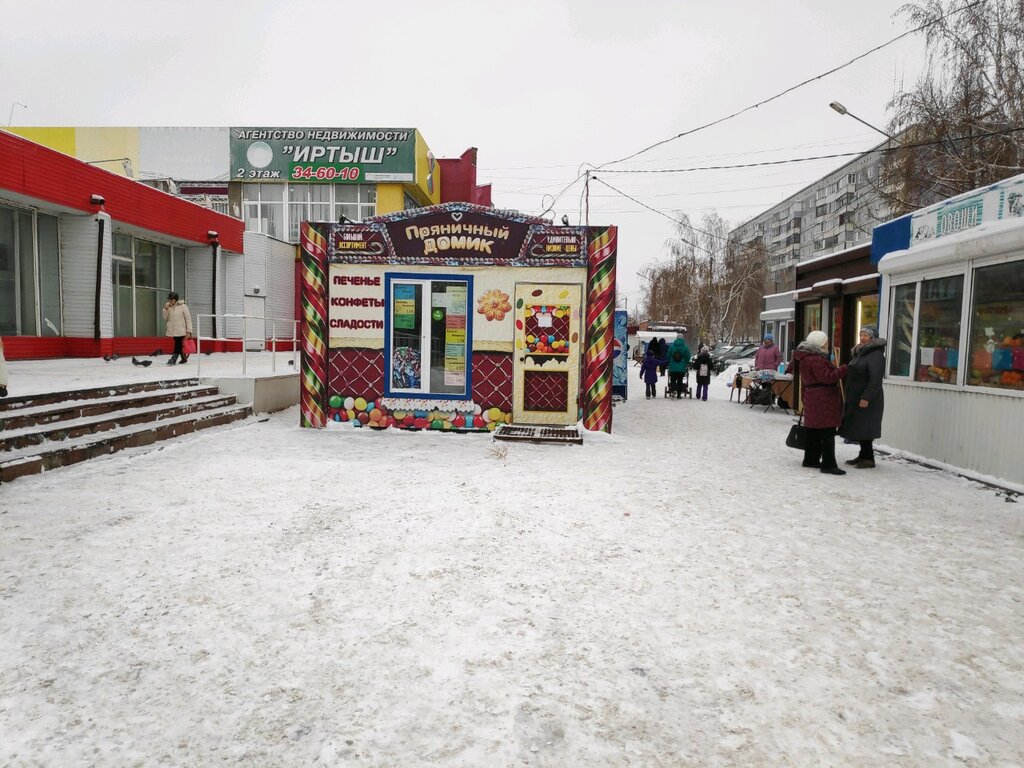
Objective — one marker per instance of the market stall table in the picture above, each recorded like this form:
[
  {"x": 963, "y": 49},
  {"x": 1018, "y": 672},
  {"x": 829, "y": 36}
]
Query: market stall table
[{"x": 781, "y": 385}]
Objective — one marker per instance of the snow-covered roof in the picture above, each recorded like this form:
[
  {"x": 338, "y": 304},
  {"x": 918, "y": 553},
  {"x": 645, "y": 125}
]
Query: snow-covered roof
[
  {"x": 816, "y": 259},
  {"x": 861, "y": 278},
  {"x": 1004, "y": 236}
]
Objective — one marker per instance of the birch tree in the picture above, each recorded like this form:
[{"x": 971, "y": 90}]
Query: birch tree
[{"x": 973, "y": 87}]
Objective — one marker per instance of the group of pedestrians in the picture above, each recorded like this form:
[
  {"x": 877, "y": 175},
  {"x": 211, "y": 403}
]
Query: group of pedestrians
[
  {"x": 672, "y": 358},
  {"x": 824, "y": 412}
]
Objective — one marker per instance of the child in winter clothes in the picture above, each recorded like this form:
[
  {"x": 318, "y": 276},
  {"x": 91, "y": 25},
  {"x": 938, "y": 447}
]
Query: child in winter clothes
[
  {"x": 649, "y": 374},
  {"x": 703, "y": 365}
]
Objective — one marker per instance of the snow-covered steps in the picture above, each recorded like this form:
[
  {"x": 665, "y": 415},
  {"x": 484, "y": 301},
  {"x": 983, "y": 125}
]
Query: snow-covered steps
[{"x": 45, "y": 432}]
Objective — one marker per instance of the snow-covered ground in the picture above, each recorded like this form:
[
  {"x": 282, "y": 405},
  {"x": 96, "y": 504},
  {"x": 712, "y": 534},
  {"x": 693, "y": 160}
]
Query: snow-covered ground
[{"x": 679, "y": 593}]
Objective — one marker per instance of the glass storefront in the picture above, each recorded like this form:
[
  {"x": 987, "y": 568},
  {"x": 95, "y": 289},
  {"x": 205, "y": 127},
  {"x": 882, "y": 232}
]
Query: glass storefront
[
  {"x": 428, "y": 342},
  {"x": 143, "y": 273},
  {"x": 866, "y": 313},
  {"x": 812, "y": 319},
  {"x": 29, "y": 274},
  {"x": 928, "y": 319}
]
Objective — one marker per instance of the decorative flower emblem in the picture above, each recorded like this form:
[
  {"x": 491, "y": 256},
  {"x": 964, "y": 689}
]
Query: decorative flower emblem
[{"x": 494, "y": 304}]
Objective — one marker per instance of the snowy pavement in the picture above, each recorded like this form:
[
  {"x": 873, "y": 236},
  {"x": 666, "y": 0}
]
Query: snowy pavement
[{"x": 679, "y": 593}]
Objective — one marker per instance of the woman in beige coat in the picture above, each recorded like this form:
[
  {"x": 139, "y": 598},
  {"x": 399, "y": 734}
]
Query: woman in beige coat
[{"x": 179, "y": 326}]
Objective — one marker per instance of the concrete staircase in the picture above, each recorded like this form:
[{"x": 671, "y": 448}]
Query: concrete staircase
[{"x": 41, "y": 432}]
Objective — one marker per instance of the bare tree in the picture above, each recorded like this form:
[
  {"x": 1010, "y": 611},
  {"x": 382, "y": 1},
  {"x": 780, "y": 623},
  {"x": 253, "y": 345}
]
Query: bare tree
[
  {"x": 706, "y": 282},
  {"x": 973, "y": 87}
]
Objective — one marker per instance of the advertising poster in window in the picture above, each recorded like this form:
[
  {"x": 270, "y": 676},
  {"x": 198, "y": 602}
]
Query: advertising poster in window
[
  {"x": 455, "y": 337},
  {"x": 405, "y": 306}
]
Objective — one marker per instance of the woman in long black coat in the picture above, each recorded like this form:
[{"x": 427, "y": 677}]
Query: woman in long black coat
[{"x": 862, "y": 415}]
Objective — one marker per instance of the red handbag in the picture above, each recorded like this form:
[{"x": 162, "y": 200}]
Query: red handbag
[{"x": 189, "y": 346}]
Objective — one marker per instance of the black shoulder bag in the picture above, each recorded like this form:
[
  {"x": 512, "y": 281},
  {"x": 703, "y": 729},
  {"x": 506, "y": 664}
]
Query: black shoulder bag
[{"x": 797, "y": 437}]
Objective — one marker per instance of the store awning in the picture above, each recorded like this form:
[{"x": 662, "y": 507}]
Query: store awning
[
  {"x": 861, "y": 281},
  {"x": 778, "y": 314}
]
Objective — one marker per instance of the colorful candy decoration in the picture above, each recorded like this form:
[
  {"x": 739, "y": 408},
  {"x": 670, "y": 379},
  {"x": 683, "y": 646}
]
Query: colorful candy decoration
[
  {"x": 597, "y": 361},
  {"x": 314, "y": 327},
  {"x": 377, "y": 416},
  {"x": 494, "y": 304}
]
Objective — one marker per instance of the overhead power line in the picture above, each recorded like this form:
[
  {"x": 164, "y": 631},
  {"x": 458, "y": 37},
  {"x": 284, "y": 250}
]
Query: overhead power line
[
  {"x": 792, "y": 88},
  {"x": 815, "y": 157},
  {"x": 581, "y": 174}
]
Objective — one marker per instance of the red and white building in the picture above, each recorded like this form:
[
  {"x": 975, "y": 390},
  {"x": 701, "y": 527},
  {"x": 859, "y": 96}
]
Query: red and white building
[{"x": 87, "y": 257}]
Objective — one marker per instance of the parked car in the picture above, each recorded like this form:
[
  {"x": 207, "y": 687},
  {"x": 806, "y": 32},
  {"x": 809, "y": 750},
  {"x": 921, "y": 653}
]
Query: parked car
[
  {"x": 720, "y": 346},
  {"x": 733, "y": 354}
]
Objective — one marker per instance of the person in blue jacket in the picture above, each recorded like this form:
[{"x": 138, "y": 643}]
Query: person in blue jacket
[{"x": 649, "y": 373}]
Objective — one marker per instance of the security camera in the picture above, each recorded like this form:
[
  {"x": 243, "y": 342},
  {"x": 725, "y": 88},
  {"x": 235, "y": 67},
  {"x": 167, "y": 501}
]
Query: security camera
[
  {"x": 97, "y": 199},
  {"x": 255, "y": 289}
]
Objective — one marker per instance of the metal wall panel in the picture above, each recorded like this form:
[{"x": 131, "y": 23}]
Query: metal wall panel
[
  {"x": 199, "y": 287},
  {"x": 233, "y": 286},
  {"x": 78, "y": 246},
  {"x": 977, "y": 431},
  {"x": 280, "y": 265}
]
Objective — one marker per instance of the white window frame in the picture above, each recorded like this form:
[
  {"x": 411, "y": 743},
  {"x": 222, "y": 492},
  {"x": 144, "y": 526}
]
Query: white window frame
[{"x": 425, "y": 280}]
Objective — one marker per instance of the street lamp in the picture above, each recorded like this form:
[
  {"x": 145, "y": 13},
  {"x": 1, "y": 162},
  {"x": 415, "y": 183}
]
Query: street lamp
[
  {"x": 126, "y": 163},
  {"x": 835, "y": 105},
  {"x": 14, "y": 104}
]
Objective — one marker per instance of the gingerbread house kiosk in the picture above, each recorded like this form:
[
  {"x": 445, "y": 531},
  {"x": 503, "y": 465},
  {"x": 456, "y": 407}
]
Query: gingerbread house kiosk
[{"x": 457, "y": 317}]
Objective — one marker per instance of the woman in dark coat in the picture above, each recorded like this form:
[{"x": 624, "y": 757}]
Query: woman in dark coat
[
  {"x": 862, "y": 417},
  {"x": 822, "y": 402}
]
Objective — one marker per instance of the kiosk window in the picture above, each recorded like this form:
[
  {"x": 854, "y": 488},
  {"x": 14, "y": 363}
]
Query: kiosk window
[
  {"x": 997, "y": 327},
  {"x": 938, "y": 333},
  {"x": 428, "y": 344},
  {"x": 901, "y": 334}
]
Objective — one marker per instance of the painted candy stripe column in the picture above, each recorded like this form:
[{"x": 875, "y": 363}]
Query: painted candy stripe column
[
  {"x": 314, "y": 327},
  {"x": 597, "y": 362}
]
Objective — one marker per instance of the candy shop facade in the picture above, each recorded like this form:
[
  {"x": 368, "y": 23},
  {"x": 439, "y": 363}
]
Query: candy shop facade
[{"x": 457, "y": 317}]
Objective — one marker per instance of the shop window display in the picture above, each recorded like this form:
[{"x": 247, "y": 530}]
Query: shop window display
[
  {"x": 997, "y": 327},
  {"x": 938, "y": 335},
  {"x": 901, "y": 334},
  {"x": 429, "y": 344},
  {"x": 867, "y": 312},
  {"x": 812, "y": 318}
]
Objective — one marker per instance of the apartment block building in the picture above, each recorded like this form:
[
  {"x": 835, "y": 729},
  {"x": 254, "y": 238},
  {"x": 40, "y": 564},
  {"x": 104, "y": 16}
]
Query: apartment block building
[{"x": 836, "y": 212}]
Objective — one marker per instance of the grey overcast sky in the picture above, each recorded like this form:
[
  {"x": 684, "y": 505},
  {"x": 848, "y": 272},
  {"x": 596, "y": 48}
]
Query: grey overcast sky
[{"x": 538, "y": 87}]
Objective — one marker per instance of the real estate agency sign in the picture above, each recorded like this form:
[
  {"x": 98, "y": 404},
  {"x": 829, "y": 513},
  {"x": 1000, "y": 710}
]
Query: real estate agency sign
[{"x": 323, "y": 155}]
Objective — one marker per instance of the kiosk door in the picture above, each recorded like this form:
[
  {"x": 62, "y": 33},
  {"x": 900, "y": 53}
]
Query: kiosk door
[{"x": 546, "y": 363}]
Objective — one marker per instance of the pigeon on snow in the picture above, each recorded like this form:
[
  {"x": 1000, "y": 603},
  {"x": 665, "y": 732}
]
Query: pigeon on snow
[{"x": 141, "y": 362}]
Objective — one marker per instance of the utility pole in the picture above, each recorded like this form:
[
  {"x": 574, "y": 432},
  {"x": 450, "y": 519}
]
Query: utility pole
[{"x": 586, "y": 196}]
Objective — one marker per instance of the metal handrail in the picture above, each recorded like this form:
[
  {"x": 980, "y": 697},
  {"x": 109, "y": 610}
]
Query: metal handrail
[{"x": 274, "y": 339}]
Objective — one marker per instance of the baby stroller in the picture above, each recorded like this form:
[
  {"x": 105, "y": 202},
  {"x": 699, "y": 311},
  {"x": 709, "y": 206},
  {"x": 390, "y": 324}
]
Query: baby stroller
[{"x": 682, "y": 389}]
